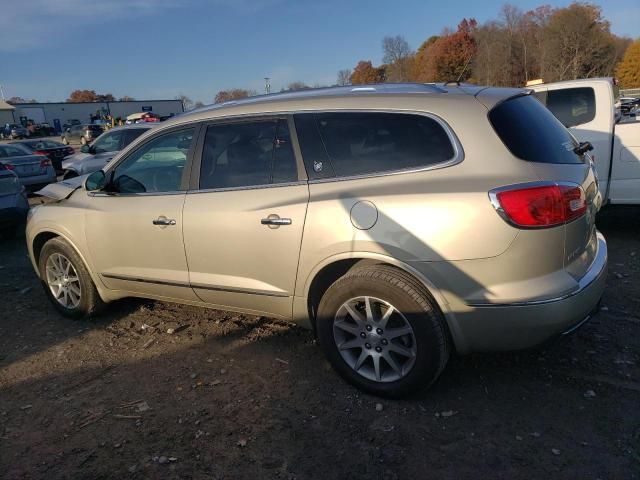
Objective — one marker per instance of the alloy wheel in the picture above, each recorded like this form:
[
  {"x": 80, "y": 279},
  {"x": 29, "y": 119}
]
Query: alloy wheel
[
  {"x": 63, "y": 281},
  {"x": 375, "y": 339}
]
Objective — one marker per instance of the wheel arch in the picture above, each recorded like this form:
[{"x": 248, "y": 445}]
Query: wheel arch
[{"x": 332, "y": 268}]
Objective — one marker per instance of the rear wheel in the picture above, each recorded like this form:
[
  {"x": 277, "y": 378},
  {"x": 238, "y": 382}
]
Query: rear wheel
[
  {"x": 382, "y": 332},
  {"x": 66, "y": 280}
]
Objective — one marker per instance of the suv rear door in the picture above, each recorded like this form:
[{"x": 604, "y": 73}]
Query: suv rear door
[{"x": 244, "y": 216}]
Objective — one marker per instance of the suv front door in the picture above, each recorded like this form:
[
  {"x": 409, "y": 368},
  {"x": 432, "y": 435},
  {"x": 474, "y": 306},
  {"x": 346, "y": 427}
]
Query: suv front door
[
  {"x": 244, "y": 217},
  {"x": 134, "y": 229}
]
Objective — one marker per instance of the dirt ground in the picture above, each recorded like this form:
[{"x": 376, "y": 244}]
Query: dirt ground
[{"x": 234, "y": 397}]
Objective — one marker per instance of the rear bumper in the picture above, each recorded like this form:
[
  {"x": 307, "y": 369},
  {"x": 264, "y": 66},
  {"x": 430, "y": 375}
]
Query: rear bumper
[{"x": 521, "y": 325}]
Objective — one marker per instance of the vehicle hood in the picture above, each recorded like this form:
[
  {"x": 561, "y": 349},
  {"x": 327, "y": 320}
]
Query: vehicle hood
[
  {"x": 83, "y": 163},
  {"x": 73, "y": 159},
  {"x": 64, "y": 189}
]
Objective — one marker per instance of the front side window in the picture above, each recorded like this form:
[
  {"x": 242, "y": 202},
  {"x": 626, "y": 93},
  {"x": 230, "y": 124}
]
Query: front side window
[
  {"x": 373, "y": 142},
  {"x": 572, "y": 106},
  {"x": 108, "y": 143},
  {"x": 247, "y": 154},
  {"x": 156, "y": 166}
]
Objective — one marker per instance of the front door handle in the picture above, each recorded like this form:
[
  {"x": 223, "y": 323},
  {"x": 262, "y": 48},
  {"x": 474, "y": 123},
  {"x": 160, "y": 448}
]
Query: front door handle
[
  {"x": 275, "y": 220},
  {"x": 164, "y": 221}
]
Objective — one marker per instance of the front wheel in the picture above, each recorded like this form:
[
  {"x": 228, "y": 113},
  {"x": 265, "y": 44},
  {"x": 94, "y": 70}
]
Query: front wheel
[
  {"x": 66, "y": 280},
  {"x": 382, "y": 332}
]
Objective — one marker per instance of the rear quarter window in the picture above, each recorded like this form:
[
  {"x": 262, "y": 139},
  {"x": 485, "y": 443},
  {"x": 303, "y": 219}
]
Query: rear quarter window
[
  {"x": 572, "y": 106},
  {"x": 532, "y": 133},
  {"x": 343, "y": 144}
]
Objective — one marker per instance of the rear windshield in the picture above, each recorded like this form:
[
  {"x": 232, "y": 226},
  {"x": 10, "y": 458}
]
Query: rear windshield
[{"x": 532, "y": 133}]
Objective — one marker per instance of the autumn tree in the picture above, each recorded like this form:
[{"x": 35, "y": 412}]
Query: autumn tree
[
  {"x": 344, "y": 77},
  {"x": 365, "y": 72},
  {"x": 296, "y": 86},
  {"x": 78, "y": 96},
  {"x": 198, "y": 104},
  {"x": 126, "y": 98},
  {"x": 234, "y": 94},
  {"x": 14, "y": 100},
  {"x": 448, "y": 57},
  {"x": 578, "y": 43},
  {"x": 107, "y": 97},
  {"x": 628, "y": 71},
  {"x": 187, "y": 103},
  {"x": 398, "y": 59}
]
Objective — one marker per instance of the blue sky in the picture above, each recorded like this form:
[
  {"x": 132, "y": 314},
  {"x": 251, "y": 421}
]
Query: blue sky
[{"x": 152, "y": 49}]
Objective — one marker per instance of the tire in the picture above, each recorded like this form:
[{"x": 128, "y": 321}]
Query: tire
[
  {"x": 69, "y": 174},
  {"x": 83, "y": 140},
  {"x": 65, "y": 141},
  {"x": 384, "y": 286},
  {"x": 89, "y": 302}
]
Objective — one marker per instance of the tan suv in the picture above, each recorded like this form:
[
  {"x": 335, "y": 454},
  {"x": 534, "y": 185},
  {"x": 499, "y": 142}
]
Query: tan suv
[{"x": 397, "y": 221}]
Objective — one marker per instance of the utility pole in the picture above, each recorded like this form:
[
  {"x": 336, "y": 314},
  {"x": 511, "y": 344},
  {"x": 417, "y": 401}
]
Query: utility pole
[
  {"x": 267, "y": 85},
  {"x": 2, "y": 93}
]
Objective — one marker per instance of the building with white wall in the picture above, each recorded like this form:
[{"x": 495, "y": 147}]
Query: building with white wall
[{"x": 57, "y": 114}]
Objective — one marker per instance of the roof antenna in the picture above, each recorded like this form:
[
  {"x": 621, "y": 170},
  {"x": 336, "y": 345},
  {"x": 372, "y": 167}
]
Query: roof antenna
[{"x": 464, "y": 69}]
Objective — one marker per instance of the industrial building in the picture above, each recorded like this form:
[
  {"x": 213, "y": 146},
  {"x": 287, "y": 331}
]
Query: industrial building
[{"x": 57, "y": 114}]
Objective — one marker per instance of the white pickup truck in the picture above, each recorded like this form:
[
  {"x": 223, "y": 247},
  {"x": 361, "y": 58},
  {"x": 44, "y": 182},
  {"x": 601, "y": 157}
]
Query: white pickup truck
[{"x": 590, "y": 108}]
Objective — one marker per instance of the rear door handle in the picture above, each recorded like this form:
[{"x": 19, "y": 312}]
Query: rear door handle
[
  {"x": 275, "y": 220},
  {"x": 164, "y": 221}
]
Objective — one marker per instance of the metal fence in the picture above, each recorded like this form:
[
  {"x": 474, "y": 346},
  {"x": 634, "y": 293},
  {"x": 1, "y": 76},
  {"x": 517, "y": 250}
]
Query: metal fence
[{"x": 630, "y": 92}]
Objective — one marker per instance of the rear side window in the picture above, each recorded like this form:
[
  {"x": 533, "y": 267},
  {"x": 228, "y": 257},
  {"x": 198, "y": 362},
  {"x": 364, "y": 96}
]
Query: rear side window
[
  {"x": 247, "y": 154},
  {"x": 370, "y": 142},
  {"x": 572, "y": 106},
  {"x": 532, "y": 133}
]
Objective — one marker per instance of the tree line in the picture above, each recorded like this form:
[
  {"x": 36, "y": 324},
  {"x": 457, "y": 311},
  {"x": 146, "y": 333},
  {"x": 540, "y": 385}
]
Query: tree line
[
  {"x": 548, "y": 43},
  {"x": 553, "y": 44}
]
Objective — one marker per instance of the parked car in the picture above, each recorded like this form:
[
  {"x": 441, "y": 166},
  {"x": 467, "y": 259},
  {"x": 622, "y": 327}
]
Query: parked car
[
  {"x": 72, "y": 122},
  {"x": 142, "y": 117},
  {"x": 56, "y": 151},
  {"x": 32, "y": 170},
  {"x": 629, "y": 105},
  {"x": 587, "y": 107},
  {"x": 96, "y": 156},
  {"x": 13, "y": 202},
  {"x": 83, "y": 133},
  {"x": 434, "y": 218},
  {"x": 13, "y": 130}
]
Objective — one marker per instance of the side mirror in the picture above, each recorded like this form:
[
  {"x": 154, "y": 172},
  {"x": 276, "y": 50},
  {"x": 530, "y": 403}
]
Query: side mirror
[
  {"x": 96, "y": 181},
  {"x": 85, "y": 149}
]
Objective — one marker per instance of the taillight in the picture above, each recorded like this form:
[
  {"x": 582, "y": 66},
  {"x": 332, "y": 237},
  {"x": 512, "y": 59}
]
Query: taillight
[
  {"x": 45, "y": 162},
  {"x": 540, "y": 205},
  {"x": 41, "y": 152},
  {"x": 8, "y": 166}
]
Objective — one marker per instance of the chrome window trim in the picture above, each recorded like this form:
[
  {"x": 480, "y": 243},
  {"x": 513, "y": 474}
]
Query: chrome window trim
[
  {"x": 141, "y": 194},
  {"x": 248, "y": 187}
]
